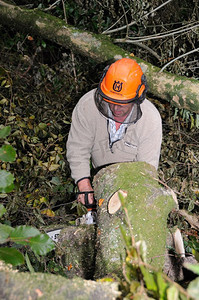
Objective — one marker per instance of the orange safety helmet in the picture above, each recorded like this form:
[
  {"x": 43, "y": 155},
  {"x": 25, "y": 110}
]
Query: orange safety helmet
[{"x": 122, "y": 82}]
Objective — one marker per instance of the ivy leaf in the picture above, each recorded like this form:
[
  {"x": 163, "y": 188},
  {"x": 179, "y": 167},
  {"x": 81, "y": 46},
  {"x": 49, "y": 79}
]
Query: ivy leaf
[
  {"x": 4, "y": 132},
  {"x": 5, "y": 231},
  {"x": 41, "y": 244},
  {"x": 7, "y": 153},
  {"x": 6, "y": 179},
  {"x": 22, "y": 234},
  {"x": 11, "y": 256}
]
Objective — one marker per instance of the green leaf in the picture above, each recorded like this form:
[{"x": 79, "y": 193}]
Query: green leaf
[
  {"x": 7, "y": 189},
  {"x": 126, "y": 238},
  {"x": 55, "y": 180},
  {"x": 2, "y": 210},
  {"x": 41, "y": 244},
  {"x": 196, "y": 254},
  {"x": 22, "y": 234},
  {"x": 42, "y": 125},
  {"x": 149, "y": 279},
  {"x": 134, "y": 286},
  {"x": 29, "y": 265},
  {"x": 11, "y": 256},
  {"x": 172, "y": 293},
  {"x": 81, "y": 209},
  {"x": 4, "y": 132},
  {"x": 193, "y": 289},
  {"x": 6, "y": 179},
  {"x": 193, "y": 268},
  {"x": 7, "y": 153},
  {"x": 162, "y": 286},
  {"x": 5, "y": 231}
]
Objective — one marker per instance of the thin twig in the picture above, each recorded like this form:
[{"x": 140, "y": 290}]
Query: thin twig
[
  {"x": 127, "y": 28},
  {"x": 134, "y": 22},
  {"x": 64, "y": 9},
  {"x": 74, "y": 71},
  {"x": 185, "y": 54},
  {"x": 52, "y": 5},
  {"x": 108, "y": 30},
  {"x": 172, "y": 31},
  {"x": 146, "y": 48},
  {"x": 153, "y": 37}
]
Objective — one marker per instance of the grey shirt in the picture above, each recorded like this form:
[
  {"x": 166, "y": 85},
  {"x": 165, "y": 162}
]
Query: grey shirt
[{"x": 89, "y": 138}]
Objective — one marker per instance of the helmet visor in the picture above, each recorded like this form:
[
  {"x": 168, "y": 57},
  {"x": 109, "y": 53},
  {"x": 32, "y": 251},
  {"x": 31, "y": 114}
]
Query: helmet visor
[{"x": 103, "y": 105}]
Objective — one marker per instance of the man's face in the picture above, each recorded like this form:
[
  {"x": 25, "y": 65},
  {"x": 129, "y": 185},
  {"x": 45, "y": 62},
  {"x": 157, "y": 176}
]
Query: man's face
[{"x": 120, "y": 112}]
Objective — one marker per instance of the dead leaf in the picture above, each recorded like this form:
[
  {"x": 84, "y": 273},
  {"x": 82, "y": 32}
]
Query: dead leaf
[
  {"x": 39, "y": 293},
  {"x": 69, "y": 267},
  {"x": 100, "y": 201},
  {"x": 48, "y": 212}
]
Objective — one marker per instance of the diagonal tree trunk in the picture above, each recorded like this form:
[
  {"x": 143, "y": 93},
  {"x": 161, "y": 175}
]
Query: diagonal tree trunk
[{"x": 180, "y": 91}]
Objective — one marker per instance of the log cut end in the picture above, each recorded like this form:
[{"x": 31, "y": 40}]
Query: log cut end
[{"x": 114, "y": 202}]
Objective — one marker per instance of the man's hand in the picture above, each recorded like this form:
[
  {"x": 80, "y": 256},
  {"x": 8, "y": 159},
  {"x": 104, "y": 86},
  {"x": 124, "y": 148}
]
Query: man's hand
[{"x": 84, "y": 185}]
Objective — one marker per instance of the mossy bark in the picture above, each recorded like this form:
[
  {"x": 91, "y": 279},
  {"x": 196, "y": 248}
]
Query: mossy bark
[
  {"x": 179, "y": 90},
  {"x": 148, "y": 205},
  {"x": 18, "y": 286},
  {"x": 76, "y": 249}
]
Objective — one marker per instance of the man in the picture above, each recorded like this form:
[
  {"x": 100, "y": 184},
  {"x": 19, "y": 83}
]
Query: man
[{"x": 113, "y": 123}]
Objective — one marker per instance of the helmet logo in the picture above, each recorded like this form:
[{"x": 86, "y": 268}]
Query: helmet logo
[{"x": 117, "y": 86}]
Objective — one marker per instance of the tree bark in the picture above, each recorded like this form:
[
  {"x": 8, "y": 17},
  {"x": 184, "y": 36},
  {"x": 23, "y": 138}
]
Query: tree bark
[
  {"x": 148, "y": 205},
  {"x": 96, "y": 251},
  {"x": 76, "y": 249},
  {"x": 179, "y": 90},
  {"x": 17, "y": 286}
]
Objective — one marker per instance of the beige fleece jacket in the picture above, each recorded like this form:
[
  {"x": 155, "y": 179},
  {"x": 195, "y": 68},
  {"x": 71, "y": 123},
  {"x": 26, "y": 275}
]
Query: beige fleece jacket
[{"x": 89, "y": 139}]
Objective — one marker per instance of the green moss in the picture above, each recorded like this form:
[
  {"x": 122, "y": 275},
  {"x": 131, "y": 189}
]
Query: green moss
[
  {"x": 148, "y": 206},
  {"x": 47, "y": 286}
]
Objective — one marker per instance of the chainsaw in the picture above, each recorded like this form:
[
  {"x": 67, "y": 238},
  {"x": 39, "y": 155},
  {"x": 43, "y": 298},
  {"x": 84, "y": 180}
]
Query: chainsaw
[{"x": 89, "y": 218}]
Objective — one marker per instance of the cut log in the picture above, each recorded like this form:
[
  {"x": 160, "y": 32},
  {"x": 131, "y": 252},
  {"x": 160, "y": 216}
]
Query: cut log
[
  {"x": 76, "y": 249},
  {"x": 18, "y": 286},
  {"x": 90, "y": 251},
  {"x": 148, "y": 205}
]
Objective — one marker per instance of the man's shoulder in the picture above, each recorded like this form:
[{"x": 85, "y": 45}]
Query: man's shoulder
[
  {"x": 87, "y": 100},
  {"x": 149, "y": 110}
]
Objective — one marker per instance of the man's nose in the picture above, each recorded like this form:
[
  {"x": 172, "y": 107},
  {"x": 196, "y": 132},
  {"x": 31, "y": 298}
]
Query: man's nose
[{"x": 117, "y": 107}]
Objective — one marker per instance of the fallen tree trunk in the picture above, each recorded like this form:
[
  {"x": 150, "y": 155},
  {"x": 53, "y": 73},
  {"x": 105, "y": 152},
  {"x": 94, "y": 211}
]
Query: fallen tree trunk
[
  {"x": 180, "y": 91},
  {"x": 18, "y": 286},
  {"x": 76, "y": 249},
  {"x": 148, "y": 205},
  {"x": 98, "y": 251}
]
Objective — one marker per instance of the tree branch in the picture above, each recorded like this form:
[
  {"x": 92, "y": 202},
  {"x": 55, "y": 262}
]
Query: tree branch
[
  {"x": 185, "y": 54},
  {"x": 180, "y": 91},
  {"x": 134, "y": 22}
]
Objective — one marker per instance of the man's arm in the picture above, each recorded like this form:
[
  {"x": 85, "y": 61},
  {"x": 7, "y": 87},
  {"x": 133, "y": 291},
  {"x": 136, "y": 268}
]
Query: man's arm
[{"x": 79, "y": 144}]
